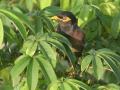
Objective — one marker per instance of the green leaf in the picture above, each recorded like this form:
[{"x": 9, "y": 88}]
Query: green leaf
[
  {"x": 65, "y": 4},
  {"x": 74, "y": 87},
  {"x": 108, "y": 8},
  {"x": 85, "y": 12},
  {"x": 32, "y": 74},
  {"x": 67, "y": 86},
  {"x": 1, "y": 33},
  {"x": 31, "y": 48},
  {"x": 45, "y": 3},
  {"x": 54, "y": 85},
  {"x": 57, "y": 44},
  {"x": 11, "y": 36},
  {"x": 46, "y": 69},
  {"x": 52, "y": 10},
  {"x": 70, "y": 54},
  {"x": 47, "y": 50},
  {"x": 25, "y": 19},
  {"x": 48, "y": 23},
  {"x": 112, "y": 65},
  {"x": 20, "y": 64},
  {"x": 79, "y": 83},
  {"x": 29, "y": 4},
  {"x": 17, "y": 22},
  {"x": 98, "y": 67},
  {"x": 86, "y": 62},
  {"x": 115, "y": 28},
  {"x": 109, "y": 87},
  {"x": 76, "y": 6},
  {"x": 60, "y": 38}
]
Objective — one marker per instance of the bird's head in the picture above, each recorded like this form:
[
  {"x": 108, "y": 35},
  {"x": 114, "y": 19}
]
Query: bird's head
[{"x": 65, "y": 18}]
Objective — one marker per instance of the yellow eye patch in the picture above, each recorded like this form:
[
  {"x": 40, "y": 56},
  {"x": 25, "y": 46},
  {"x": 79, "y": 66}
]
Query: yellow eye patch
[
  {"x": 55, "y": 18},
  {"x": 66, "y": 19}
]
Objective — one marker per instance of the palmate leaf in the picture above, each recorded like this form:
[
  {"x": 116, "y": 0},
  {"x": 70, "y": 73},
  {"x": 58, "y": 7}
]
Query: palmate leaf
[
  {"x": 32, "y": 74},
  {"x": 20, "y": 64},
  {"x": 16, "y": 20},
  {"x": 46, "y": 69},
  {"x": 98, "y": 57},
  {"x": 66, "y": 44},
  {"x": 106, "y": 52},
  {"x": 78, "y": 84},
  {"x": 47, "y": 50},
  {"x": 1, "y": 33},
  {"x": 112, "y": 65},
  {"x": 68, "y": 84}
]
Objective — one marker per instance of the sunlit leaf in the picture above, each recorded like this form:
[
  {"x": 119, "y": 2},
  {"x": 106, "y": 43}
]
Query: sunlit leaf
[
  {"x": 1, "y": 33},
  {"x": 54, "y": 85},
  {"x": 108, "y": 8},
  {"x": 29, "y": 4},
  {"x": 67, "y": 86},
  {"x": 31, "y": 48},
  {"x": 64, "y": 4},
  {"x": 45, "y": 3}
]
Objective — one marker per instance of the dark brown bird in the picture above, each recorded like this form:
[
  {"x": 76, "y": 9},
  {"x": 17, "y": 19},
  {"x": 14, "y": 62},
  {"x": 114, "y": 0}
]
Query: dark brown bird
[{"x": 67, "y": 26}]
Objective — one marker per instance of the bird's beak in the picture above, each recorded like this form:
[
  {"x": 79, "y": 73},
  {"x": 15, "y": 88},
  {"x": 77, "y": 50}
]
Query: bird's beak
[
  {"x": 66, "y": 20},
  {"x": 59, "y": 19}
]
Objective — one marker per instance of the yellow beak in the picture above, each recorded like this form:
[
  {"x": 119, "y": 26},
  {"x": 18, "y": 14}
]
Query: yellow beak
[{"x": 57, "y": 18}]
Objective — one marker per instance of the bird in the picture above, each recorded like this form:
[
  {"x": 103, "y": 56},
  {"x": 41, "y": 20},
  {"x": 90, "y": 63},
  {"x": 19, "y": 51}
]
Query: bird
[{"x": 67, "y": 26}]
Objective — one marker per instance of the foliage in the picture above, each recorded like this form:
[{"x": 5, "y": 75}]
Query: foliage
[{"x": 33, "y": 55}]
